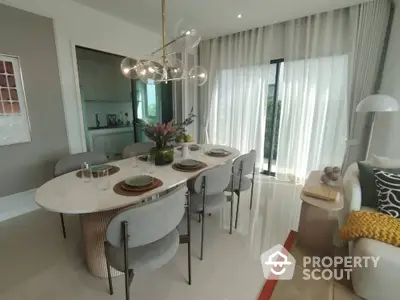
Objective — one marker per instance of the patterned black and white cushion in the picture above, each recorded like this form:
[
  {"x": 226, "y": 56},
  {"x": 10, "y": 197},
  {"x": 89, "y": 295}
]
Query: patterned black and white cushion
[{"x": 388, "y": 188}]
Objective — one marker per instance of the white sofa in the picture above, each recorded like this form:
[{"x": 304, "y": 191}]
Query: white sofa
[{"x": 383, "y": 282}]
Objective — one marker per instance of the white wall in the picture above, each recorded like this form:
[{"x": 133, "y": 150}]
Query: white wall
[
  {"x": 75, "y": 24},
  {"x": 386, "y": 137}
]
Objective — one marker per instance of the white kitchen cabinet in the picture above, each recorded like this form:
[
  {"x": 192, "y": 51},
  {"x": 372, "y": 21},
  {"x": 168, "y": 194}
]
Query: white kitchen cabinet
[
  {"x": 88, "y": 83},
  {"x": 100, "y": 78},
  {"x": 110, "y": 141},
  {"x": 122, "y": 85}
]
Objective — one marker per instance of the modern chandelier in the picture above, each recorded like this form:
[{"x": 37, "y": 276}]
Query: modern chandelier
[{"x": 167, "y": 67}]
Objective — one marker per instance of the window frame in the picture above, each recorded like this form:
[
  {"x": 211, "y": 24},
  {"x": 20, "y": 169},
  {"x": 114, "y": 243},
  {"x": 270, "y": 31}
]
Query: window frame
[{"x": 272, "y": 140}]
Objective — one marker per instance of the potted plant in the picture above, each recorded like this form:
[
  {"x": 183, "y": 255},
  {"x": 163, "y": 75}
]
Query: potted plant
[{"x": 162, "y": 135}]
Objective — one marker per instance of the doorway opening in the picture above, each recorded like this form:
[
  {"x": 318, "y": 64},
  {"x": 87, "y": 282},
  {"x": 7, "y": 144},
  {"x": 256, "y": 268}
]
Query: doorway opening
[{"x": 114, "y": 106}]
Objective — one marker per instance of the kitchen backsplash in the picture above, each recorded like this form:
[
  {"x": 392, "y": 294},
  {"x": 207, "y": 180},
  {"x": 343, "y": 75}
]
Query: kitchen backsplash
[{"x": 104, "y": 108}]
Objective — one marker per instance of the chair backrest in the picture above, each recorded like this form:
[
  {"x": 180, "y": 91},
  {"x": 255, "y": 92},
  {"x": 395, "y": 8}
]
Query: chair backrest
[
  {"x": 217, "y": 179},
  {"x": 74, "y": 162},
  {"x": 149, "y": 222},
  {"x": 137, "y": 149},
  {"x": 248, "y": 160}
]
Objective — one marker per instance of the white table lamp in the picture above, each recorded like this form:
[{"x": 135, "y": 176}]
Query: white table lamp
[{"x": 374, "y": 104}]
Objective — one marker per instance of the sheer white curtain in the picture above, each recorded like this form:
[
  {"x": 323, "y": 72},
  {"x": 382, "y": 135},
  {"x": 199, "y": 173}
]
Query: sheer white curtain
[
  {"x": 233, "y": 103},
  {"x": 331, "y": 63},
  {"x": 314, "y": 94}
]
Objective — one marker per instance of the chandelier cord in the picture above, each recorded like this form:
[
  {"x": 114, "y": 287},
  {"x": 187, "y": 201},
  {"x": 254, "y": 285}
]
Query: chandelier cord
[{"x": 163, "y": 30}]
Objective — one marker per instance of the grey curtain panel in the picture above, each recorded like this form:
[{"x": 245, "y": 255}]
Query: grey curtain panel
[{"x": 369, "y": 29}]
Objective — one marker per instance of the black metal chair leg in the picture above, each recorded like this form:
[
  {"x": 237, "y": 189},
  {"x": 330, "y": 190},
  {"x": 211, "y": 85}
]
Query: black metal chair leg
[
  {"x": 189, "y": 244},
  {"x": 237, "y": 210},
  {"x": 63, "y": 226},
  {"x": 110, "y": 285},
  {"x": 231, "y": 220},
  {"x": 203, "y": 212},
  {"x": 251, "y": 197},
  {"x": 126, "y": 271},
  {"x": 127, "y": 294},
  {"x": 232, "y": 197},
  {"x": 189, "y": 263},
  {"x": 202, "y": 235},
  {"x": 252, "y": 187},
  {"x": 238, "y": 193}
]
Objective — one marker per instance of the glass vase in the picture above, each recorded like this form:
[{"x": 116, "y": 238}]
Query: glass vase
[{"x": 163, "y": 155}]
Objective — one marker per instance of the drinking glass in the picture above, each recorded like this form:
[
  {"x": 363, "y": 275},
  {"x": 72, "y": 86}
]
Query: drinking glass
[
  {"x": 86, "y": 171},
  {"x": 134, "y": 162},
  {"x": 151, "y": 164},
  {"x": 103, "y": 180},
  {"x": 204, "y": 150}
]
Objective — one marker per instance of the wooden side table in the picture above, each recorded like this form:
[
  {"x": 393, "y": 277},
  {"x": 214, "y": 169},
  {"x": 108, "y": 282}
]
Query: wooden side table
[{"x": 318, "y": 219}]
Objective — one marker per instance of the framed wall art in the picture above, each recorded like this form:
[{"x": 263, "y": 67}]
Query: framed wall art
[{"x": 14, "y": 118}]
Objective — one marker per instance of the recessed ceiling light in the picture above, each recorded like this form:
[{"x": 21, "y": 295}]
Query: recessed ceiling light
[{"x": 239, "y": 16}]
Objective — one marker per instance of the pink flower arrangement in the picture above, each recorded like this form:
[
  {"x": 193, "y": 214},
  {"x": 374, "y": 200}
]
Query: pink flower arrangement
[{"x": 162, "y": 134}]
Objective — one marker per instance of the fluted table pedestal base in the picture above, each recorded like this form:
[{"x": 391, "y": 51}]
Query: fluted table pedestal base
[{"x": 94, "y": 228}]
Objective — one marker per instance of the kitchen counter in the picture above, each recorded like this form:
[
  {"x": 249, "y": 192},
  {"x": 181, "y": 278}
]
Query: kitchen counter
[{"x": 110, "y": 127}]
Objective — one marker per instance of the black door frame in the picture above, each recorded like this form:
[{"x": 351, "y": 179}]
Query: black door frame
[
  {"x": 272, "y": 140},
  {"x": 132, "y": 86},
  {"x": 134, "y": 111}
]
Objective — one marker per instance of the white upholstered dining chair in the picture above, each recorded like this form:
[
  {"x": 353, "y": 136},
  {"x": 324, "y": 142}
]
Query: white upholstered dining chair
[
  {"x": 242, "y": 166},
  {"x": 145, "y": 237},
  {"x": 207, "y": 194},
  {"x": 137, "y": 149},
  {"x": 74, "y": 162}
]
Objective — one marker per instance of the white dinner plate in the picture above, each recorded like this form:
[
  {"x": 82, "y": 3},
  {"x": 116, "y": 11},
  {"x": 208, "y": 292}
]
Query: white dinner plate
[
  {"x": 139, "y": 181},
  {"x": 189, "y": 163},
  {"x": 100, "y": 168}
]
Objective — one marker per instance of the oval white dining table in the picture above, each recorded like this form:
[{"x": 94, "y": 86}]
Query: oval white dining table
[{"x": 69, "y": 194}]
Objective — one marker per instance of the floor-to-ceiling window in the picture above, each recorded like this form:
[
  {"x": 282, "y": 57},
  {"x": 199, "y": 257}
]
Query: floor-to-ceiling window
[
  {"x": 153, "y": 104},
  {"x": 147, "y": 99},
  {"x": 313, "y": 124},
  {"x": 273, "y": 117}
]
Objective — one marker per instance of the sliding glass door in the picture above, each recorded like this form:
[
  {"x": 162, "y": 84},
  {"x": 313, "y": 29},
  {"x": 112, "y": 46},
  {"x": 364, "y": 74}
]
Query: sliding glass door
[{"x": 273, "y": 117}]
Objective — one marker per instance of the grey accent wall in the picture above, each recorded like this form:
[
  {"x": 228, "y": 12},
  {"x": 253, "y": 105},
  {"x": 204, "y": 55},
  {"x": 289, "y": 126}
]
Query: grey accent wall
[{"x": 29, "y": 165}]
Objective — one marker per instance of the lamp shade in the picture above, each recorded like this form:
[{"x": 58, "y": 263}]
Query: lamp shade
[{"x": 377, "y": 103}]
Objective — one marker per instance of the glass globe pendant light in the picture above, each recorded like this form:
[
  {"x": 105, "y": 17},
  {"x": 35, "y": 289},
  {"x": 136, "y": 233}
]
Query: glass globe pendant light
[
  {"x": 167, "y": 67},
  {"x": 129, "y": 67},
  {"x": 191, "y": 37},
  {"x": 176, "y": 68},
  {"x": 199, "y": 75},
  {"x": 149, "y": 71}
]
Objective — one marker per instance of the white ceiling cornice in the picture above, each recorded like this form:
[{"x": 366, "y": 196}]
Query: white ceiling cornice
[{"x": 214, "y": 17}]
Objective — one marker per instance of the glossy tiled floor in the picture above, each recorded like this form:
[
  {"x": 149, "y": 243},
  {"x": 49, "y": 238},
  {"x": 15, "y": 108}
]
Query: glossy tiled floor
[
  {"x": 301, "y": 289},
  {"x": 37, "y": 263}
]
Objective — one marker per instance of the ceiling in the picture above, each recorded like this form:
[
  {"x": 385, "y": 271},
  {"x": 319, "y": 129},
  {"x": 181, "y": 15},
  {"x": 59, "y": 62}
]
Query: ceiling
[{"x": 213, "y": 17}]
